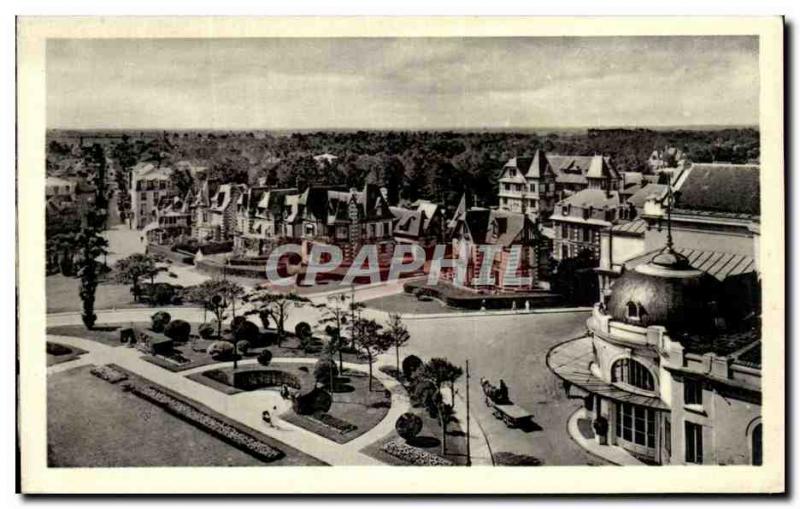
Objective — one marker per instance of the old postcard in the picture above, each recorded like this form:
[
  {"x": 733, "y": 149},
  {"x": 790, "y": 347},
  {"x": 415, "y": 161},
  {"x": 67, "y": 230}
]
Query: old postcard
[{"x": 401, "y": 255}]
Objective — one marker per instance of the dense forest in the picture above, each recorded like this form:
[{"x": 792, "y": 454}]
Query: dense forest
[{"x": 438, "y": 165}]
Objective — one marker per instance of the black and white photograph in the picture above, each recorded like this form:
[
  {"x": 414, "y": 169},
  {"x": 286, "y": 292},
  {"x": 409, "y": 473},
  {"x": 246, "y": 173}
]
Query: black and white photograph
[{"x": 346, "y": 249}]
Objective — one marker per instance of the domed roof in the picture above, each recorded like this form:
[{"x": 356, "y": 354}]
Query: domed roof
[{"x": 666, "y": 291}]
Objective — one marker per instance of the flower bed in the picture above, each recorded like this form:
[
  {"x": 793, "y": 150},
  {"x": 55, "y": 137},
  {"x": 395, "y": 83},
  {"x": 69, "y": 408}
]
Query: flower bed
[
  {"x": 339, "y": 425},
  {"x": 414, "y": 455},
  {"x": 108, "y": 374},
  {"x": 208, "y": 423}
]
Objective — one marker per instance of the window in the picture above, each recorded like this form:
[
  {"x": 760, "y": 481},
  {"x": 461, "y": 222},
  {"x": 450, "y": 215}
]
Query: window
[
  {"x": 636, "y": 424},
  {"x": 633, "y": 311},
  {"x": 692, "y": 392},
  {"x": 694, "y": 443},
  {"x": 756, "y": 446},
  {"x": 564, "y": 231},
  {"x": 668, "y": 436},
  {"x": 632, "y": 373},
  {"x": 586, "y": 234}
]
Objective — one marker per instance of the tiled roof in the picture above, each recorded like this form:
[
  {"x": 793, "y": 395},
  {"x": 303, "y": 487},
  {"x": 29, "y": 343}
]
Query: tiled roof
[
  {"x": 596, "y": 198},
  {"x": 631, "y": 228},
  {"x": 724, "y": 188},
  {"x": 718, "y": 264},
  {"x": 647, "y": 192}
]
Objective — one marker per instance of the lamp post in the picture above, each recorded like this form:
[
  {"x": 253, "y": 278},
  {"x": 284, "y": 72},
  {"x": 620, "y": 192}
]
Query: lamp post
[{"x": 469, "y": 453}]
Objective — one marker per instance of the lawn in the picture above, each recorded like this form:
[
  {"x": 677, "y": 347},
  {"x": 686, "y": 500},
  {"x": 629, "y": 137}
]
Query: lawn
[
  {"x": 92, "y": 423},
  {"x": 58, "y": 353},
  {"x": 353, "y": 404},
  {"x": 407, "y": 303},
  {"x": 62, "y": 295},
  {"x": 105, "y": 333}
]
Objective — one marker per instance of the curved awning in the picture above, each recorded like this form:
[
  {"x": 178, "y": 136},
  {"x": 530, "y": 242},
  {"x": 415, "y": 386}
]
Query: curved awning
[{"x": 571, "y": 362}]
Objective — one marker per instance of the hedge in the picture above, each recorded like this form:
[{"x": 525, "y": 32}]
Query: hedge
[{"x": 461, "y": 298}]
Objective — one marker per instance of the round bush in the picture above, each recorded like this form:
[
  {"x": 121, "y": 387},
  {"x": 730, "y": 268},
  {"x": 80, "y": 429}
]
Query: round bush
[
  {"x": 220, "y": 350},
  {"x": 408, "y": 425},
  {"x": 245, "y": 331},
  {"x": 264, "y": 357},
  {"x": 206, "y": 331},
  {"x": 178, "y": 330},
  {"x": 237, "y": 322},
  {"x": 410, "y": 365},
  {"x": 317, "y": 401},
  {"x": 325, "y": 370},
  {"x": 243, "y": 347},
  {"x": 302, "y": 329},
  {"x": 159, "y": 321}
]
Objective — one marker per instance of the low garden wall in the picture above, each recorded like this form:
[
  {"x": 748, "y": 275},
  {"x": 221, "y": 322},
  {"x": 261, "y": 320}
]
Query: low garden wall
[
  {"x": 461, "y": 298},
  {"x": 174, "y": 255}
]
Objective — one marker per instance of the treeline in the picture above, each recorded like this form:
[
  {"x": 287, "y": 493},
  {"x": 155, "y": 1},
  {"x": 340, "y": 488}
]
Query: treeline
[{"x": 437, "y": 165}]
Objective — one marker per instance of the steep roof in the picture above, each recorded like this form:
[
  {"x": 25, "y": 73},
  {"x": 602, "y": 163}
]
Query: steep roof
[
  {"x": 600, "y": 168},
  {"x": 537, "y": 166},
  {"x": 725, "y": 188},
  {"x": 595, "y": 198},
  {"x": 646, "y": 193}
]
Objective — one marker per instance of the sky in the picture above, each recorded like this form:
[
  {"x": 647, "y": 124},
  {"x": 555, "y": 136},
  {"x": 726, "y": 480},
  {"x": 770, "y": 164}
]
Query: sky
[{"x": 402, "y": 83}]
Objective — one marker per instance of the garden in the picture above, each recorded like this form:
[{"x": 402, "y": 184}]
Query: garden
[
  {"x": 337, "y": 406},
  {"x": 429, "y": 434}
]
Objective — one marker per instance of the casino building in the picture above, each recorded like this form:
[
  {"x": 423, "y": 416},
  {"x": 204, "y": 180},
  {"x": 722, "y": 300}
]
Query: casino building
[{"x": 670, "y": 367}]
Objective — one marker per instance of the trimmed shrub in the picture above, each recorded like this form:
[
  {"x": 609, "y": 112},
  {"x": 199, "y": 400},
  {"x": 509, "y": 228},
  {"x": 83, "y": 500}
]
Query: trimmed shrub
[
  {"x": 220, "y": 350},
  {"x": 302, "y": 329},
  {"x": 408, "y": 425},
  {"x": 243, "y": 347},
  {"x": 410, "y": 365},
  {"x": 159, "y": 321},
  {"x": 237, "y": 322},
  {"x": 313, "y": 402},
  {"x": 325, "y": 370},
  {"x": 264, "y": 357},
  {"x": 178, "y": 330},
  {"x": 245, "y": 331},
  {"x": 207, "y": 331}
]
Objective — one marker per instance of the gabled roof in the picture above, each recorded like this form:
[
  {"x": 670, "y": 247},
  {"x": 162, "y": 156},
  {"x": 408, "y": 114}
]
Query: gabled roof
[
  {"x": 497, "y": 227},
  {"x": 725, "y": 188},
  {"x": 648, "y": 192},
  {"x": 537, "y": 166},
  {"x": 595, "y": 198},
  {"x": 601, "y": 168}
]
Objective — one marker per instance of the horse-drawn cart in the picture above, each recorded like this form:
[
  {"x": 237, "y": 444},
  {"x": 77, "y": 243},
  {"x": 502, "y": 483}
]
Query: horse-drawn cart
[{"x": 496, "y": 398}]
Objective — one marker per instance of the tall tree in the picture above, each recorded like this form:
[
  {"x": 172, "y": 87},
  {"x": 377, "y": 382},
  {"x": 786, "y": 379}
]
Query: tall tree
[
  {"x": 277, "y": 305},
  {"x": 370, "y": 341},
  {"x": 92, "y": 246},
  {"x": 335, "y": 313},
  {"x": 133, "y": 269},
  {"x": 397, "y": 335},
  {"x": 440, "y": 371}
]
